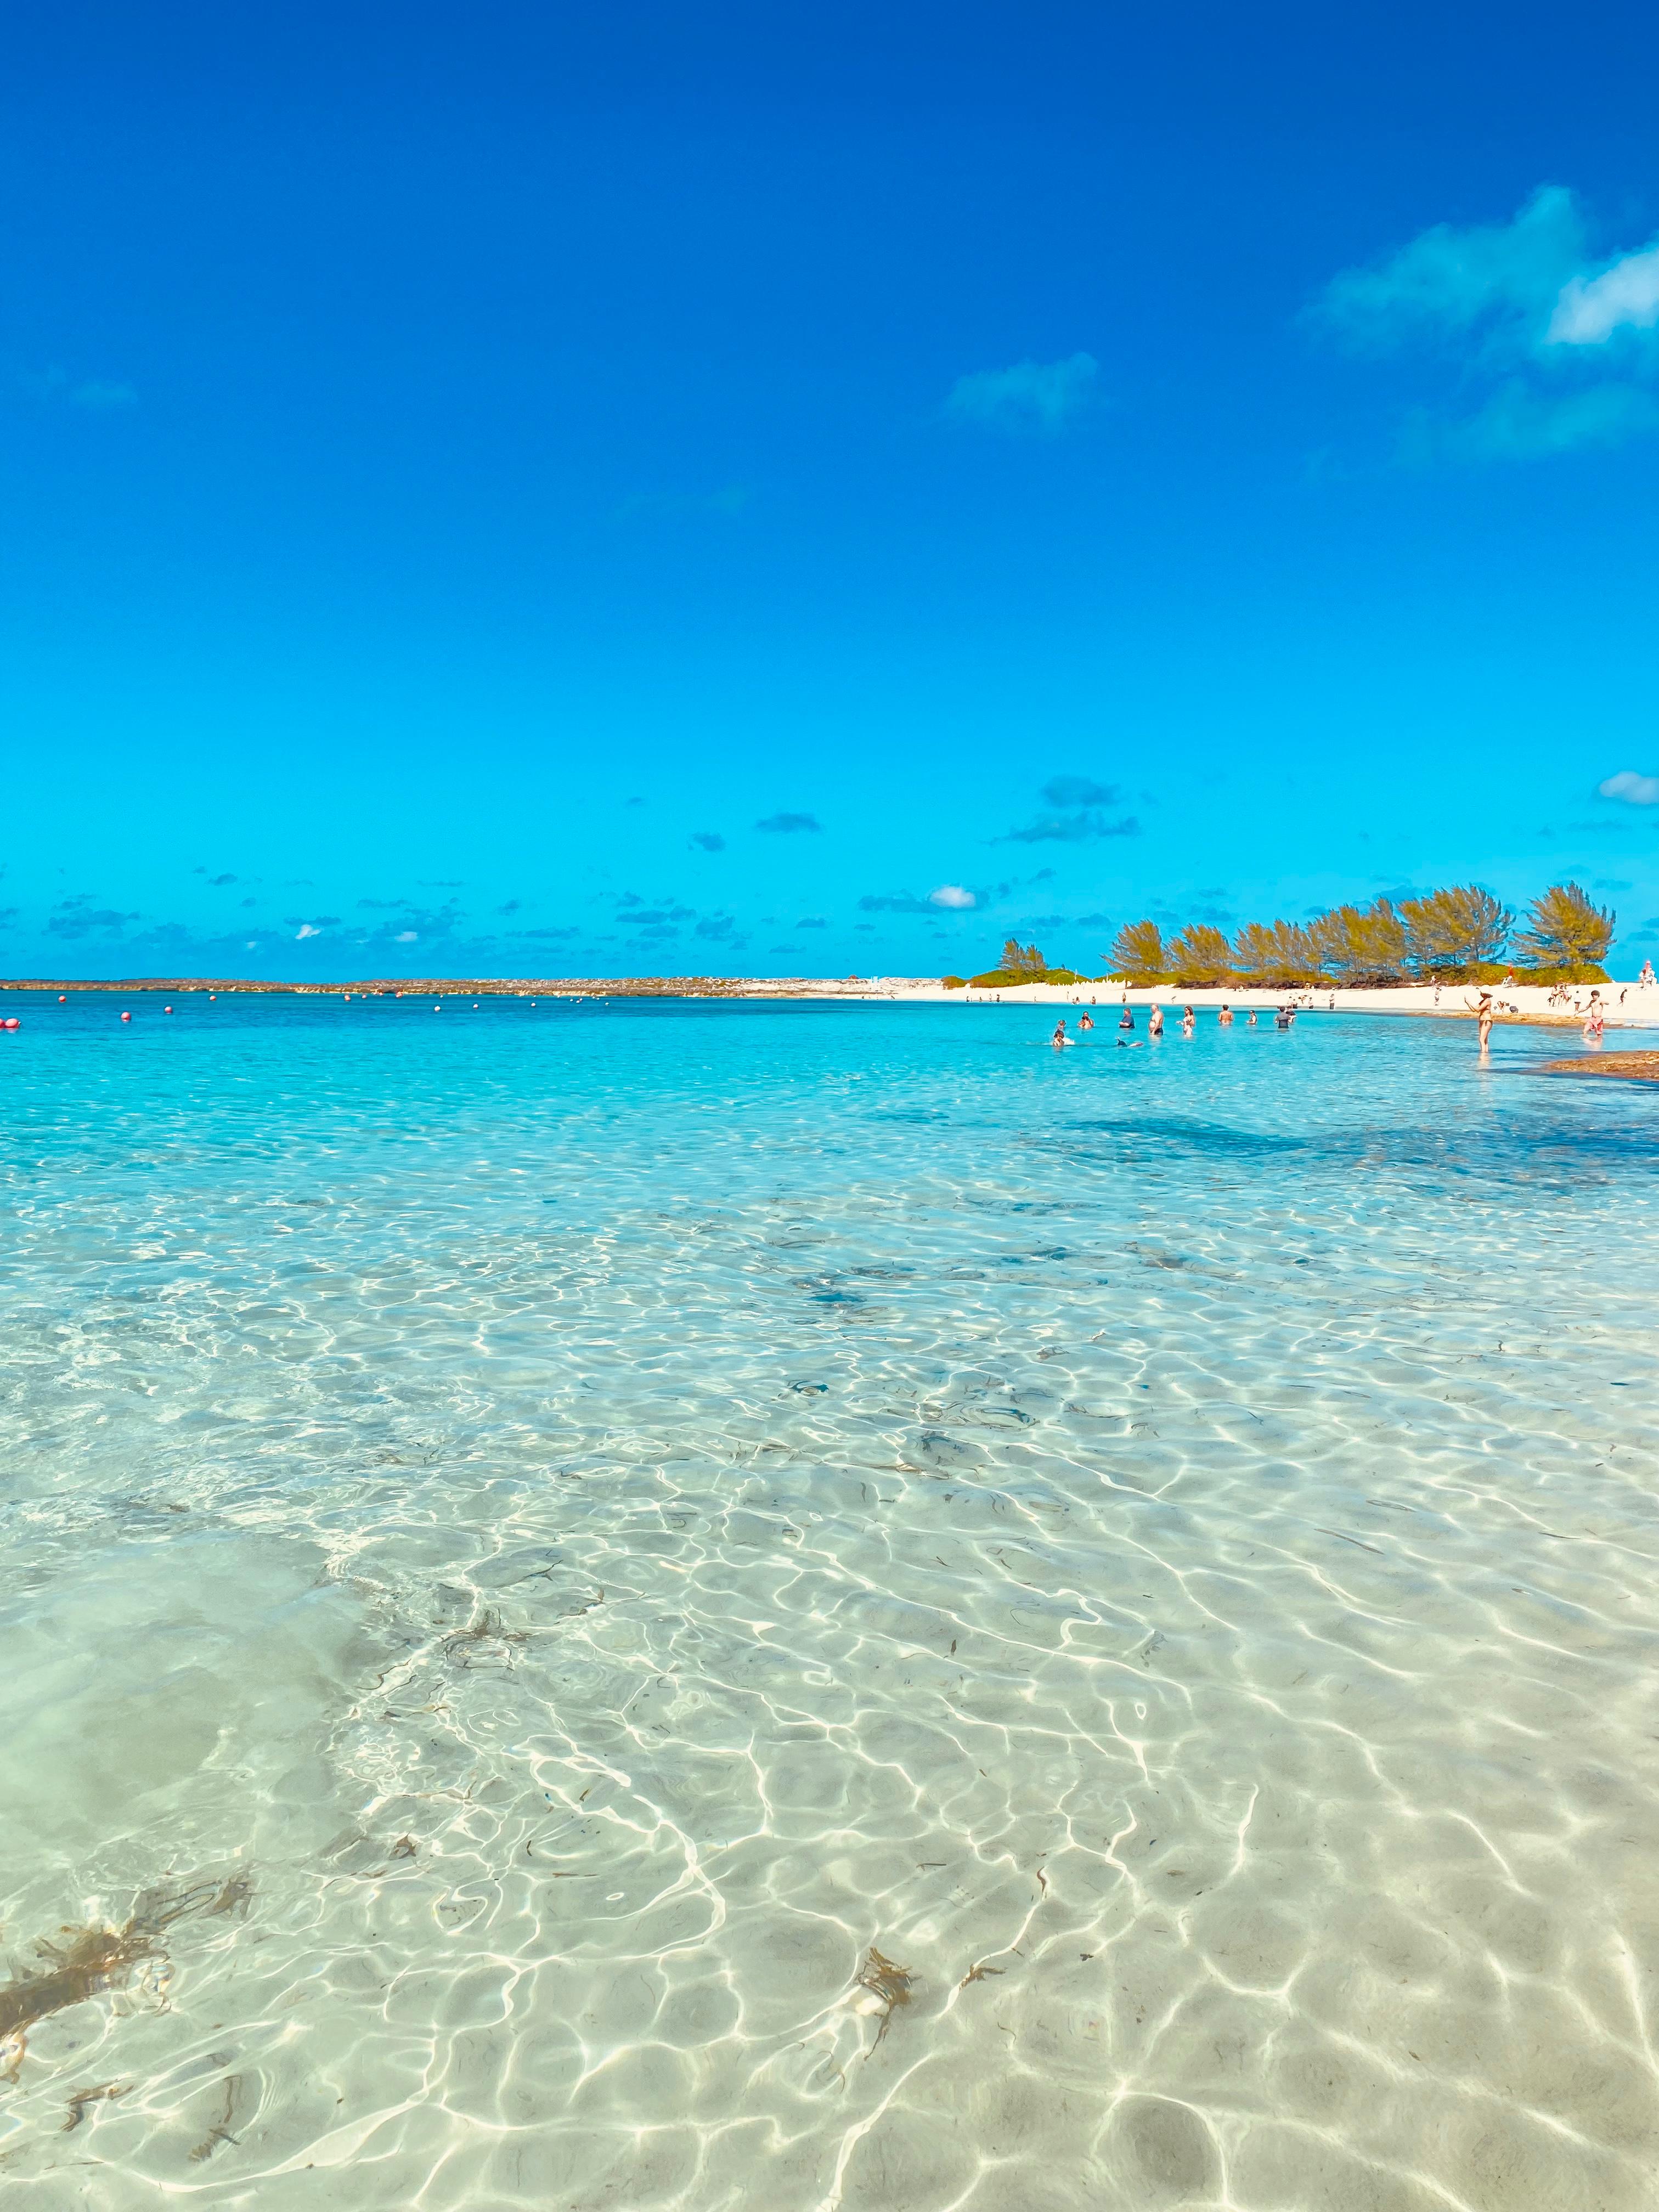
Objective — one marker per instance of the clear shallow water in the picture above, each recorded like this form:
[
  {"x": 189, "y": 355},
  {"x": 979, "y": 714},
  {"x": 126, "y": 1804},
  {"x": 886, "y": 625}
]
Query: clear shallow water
[{"x": 534, "y": 1538}]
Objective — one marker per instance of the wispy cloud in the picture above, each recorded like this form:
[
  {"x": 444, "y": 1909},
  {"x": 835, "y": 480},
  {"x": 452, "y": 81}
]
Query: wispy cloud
[
  {"x": 98, "y": 395},
  {"x": 898, "y": 903},
  {"x": 1079, "y": 791},
  {"x": 1519, "y": 422},
  {"x": 786, "y": 825},
  {"x": 79, "y": 917},
  {"x": 1564, "y": 343},
  {"x": 1083, "y": 827},
  {"x": 1031, "y": 397},
  {"x": 102, "y": 396},
  {"x": 1634, "y": 790}
]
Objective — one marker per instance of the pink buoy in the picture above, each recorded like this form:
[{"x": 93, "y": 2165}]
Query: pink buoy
[
  {"x": 126, "y": 1017},
  {"x": 12, "y": 1022},
  {"x": 167, "y": 1009}
]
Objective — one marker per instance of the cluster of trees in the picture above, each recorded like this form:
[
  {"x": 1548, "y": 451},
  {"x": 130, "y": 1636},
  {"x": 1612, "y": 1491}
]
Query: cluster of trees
[
  {"x": 1020, "y": 964},
  {"x": 1451, "y": 934}
]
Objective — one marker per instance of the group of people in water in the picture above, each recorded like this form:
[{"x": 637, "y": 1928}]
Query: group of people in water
[
  {"x": 1485, "y": 1011},
  {"x": 1283, "y": 1018},
  {"x": 1596, "y": 1014}
]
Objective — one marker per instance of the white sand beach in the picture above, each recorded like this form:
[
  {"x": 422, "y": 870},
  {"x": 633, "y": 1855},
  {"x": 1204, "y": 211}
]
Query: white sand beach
[{"x": 1628, "y": 1004}]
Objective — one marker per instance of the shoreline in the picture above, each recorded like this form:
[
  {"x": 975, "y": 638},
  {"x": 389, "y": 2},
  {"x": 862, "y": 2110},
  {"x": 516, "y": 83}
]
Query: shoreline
[{"x": 1628, "y": 1004}]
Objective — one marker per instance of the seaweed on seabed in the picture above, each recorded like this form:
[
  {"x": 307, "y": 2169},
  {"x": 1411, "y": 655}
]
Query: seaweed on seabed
[
  {"x": 88, "y": 1960},
  {"x": 220, "y": 2130},
  {"x": 890, "y": 1983},
  {"x": 486, "y": 1629},
  {"x": 91, "y": 1960}
]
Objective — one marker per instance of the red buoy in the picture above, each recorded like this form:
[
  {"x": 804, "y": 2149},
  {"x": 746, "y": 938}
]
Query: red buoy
[{"x": 126, "y": 1017}]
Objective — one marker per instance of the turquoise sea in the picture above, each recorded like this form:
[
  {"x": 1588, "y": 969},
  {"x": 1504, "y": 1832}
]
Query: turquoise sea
[{"x": 743, "y": 1607}]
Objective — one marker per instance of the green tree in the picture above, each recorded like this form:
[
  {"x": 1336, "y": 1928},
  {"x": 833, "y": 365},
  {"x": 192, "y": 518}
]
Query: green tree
[
  {"x": 1138, "y": 952},
  {"x": 1566, "y": 930},
  {"x": 1281, "y": 954},
  {"x": 1199, "y": 955},
  {"x": 1022, "y": 959},
  {"x": 1360, "y": 945},
  {"x": 1455, "y": 928}
]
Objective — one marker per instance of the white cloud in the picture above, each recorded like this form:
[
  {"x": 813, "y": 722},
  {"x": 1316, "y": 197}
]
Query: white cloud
[
  {"x": 1625, "y": 296},
  {"x": 1457, "y": 280},
  {"x": 1634, "y": 790},
  {"x": 1523, "y": 309},
  {"x": 307, "y": 929},
  {"x": 1032, "y": 395},
  {"x": 405, "y": 937},
  {"x": 954, "y": 895}
]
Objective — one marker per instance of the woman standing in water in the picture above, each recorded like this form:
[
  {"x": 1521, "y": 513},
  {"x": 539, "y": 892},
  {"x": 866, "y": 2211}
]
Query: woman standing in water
[{"x": 1483, "y": 1015}]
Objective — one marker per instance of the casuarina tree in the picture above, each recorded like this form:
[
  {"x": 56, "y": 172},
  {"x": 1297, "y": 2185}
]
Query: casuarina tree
[
  {"x": 1566, "y": 930},
  {"x": 1138, "y": 952}
]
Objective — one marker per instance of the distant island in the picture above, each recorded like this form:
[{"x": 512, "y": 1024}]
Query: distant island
[{"x": 1462, "y": 935}]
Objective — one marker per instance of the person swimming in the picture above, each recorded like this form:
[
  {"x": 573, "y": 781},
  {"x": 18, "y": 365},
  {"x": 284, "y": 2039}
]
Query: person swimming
[
  {"x": 1059, "y": 1036},
  {"x": 1224, "y": 1018},
  {"x": 1085, "y": 1021},
  {"x": 1249, "y": 1022}
]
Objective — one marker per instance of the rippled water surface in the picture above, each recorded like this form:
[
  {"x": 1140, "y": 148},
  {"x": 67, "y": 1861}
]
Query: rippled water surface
[{"x": 721, "y": 1606}]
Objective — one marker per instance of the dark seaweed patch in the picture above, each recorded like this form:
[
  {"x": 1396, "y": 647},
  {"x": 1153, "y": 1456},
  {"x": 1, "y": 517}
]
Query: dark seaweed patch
[{"x": 891, "y": 1983}]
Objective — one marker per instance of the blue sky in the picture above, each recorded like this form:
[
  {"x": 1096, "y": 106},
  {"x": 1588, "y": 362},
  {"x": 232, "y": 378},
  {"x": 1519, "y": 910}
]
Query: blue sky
[{"x": 525, "y": 490}]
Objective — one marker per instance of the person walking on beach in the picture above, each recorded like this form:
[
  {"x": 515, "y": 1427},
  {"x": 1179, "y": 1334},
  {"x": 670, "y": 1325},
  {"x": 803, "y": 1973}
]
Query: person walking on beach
[{"x": 1155, "y": 1022}]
